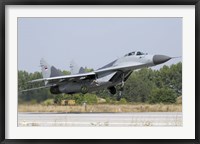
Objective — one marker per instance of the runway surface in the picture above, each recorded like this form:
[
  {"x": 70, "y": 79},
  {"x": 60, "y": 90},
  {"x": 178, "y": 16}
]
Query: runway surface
[{"x": 100, "y": 119}]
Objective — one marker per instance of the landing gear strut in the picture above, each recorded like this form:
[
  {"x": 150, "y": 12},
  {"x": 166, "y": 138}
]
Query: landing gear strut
[
  {"x": 119, "y": 96},
  {"x": 121, "y": 88}
]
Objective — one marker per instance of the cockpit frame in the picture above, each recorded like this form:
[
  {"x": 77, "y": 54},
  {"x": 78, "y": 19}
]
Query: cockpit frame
[{"x": 134, "y": 53}]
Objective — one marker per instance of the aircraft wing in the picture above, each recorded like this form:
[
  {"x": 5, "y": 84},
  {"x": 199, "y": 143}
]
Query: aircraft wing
[
  {"x": 122, "y": 68},
  {"x": 42, "y": 87},
  {"x": 90, "y": 75},
  {"x": 59, "y": 79}
]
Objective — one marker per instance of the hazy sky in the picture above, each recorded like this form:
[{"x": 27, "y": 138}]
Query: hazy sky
[{"x": 94, "y": 42}]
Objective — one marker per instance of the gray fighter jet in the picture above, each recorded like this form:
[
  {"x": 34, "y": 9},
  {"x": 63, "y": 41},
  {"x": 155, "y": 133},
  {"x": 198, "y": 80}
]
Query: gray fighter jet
[{"x": 109, "y": 76}]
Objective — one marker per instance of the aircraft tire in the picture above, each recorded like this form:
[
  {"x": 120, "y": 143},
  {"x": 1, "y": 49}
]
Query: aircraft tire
[
  {"x": 112, "y": 90},
  {"x": 84, "y": 89},
  {"x": 119, "y": 98}
]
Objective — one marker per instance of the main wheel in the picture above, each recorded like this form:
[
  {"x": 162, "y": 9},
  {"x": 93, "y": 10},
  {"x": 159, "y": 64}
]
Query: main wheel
[
  {"x": 118, "y": 98},
  {"x": 112, "y": 90},
  {"x": 84, "y": 89}
]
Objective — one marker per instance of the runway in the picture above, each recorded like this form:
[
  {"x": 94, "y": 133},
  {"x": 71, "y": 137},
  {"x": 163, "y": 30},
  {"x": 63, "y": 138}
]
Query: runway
[{"x": 100, "y": 119}]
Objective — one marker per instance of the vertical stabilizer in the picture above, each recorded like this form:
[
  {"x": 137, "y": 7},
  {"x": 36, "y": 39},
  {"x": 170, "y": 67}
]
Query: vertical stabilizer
[
  {"x": 46, "y": 68},
  {"x": 75, "y": 69},
  {"x": 49, "y": 70}
]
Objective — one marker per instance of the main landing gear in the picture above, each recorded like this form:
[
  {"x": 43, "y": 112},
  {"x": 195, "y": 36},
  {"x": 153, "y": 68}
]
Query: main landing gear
[
  {"x": 120, "y": 88},
  {"x": 84, "y": 89},
  {"x": 112, "y": 90}
]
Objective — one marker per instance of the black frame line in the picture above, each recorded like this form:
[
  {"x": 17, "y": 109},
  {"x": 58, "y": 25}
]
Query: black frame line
[{"x": 3, "y": 3}]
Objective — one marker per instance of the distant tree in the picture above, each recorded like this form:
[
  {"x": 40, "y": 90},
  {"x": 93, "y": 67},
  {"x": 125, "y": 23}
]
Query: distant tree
[
  {"x": 139, "y": 86},
  {"x": 122, "y": 101},
  {"x": 58, "y": 98},
  {"x": 162, "y": 95},
  {"x": 37, "y": 95},
  {"x": 90, "y": 98},
  {"x": 66, "y": 72},
  {"x": 170, "y": 77},
  {"x": 88, "y": 69},
  {"x": 143, "y": 85}
]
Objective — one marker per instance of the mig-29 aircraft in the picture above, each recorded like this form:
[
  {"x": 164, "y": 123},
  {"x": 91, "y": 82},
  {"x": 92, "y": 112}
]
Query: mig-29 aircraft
[{"x": 109, "y": 76}]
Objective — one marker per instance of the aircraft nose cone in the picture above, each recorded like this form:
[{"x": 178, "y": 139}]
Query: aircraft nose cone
[{"x": 158, "y": 59}]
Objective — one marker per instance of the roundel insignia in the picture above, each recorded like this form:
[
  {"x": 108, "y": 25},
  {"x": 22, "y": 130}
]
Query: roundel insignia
[{"x": 45, "y": 67}]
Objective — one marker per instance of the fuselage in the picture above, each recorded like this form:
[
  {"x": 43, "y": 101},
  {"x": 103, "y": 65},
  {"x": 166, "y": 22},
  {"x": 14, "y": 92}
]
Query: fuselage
[{"x": 106, "y": 78}]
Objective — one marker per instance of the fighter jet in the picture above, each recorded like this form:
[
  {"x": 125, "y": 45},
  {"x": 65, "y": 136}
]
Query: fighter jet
[{"x": 109, "y": 76}]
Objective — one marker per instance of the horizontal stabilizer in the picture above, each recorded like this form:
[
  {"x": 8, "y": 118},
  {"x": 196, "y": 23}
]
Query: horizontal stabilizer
[{"x": 75, "y": 69}]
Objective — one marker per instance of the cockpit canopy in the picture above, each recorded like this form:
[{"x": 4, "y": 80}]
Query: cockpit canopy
[{"x": 135, "y": 53}]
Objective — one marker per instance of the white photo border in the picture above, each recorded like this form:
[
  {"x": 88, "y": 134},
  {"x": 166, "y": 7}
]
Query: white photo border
[{"x": 187, "y": 131}]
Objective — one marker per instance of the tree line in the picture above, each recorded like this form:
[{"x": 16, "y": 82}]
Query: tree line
[{"x": 143, "y": 86}]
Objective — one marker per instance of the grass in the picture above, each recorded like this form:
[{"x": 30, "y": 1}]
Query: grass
[{"x": 102, "y": 108}]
